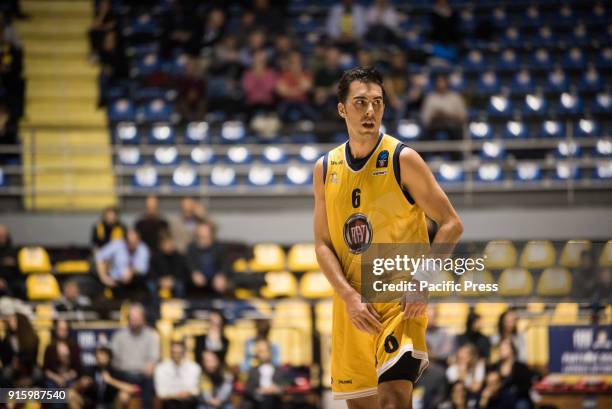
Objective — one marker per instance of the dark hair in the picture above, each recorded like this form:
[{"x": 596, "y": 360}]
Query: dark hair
[
  {"x": 179, "y": 342},
  {"x": 105, "y": 350},
  {"x": 500, "y": 323},
  {"x": 361, "y": 74}
]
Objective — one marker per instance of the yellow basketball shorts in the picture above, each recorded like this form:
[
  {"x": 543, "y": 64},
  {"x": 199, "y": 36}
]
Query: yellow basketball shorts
[{"x": 358, "y": 359}]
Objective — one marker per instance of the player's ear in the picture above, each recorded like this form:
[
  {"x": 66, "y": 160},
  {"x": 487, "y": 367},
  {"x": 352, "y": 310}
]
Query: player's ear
[{"x": 341, "y": 110}]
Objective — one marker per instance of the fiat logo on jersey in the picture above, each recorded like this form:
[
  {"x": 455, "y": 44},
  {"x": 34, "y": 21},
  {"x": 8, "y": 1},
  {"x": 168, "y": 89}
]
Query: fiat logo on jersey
[{"x": 358, "y": 233}]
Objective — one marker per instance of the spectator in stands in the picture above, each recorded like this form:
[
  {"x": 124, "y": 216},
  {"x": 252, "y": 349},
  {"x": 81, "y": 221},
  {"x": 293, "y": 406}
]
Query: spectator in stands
[
  {"x": 584, "y": 277},
  {"x": 183, "y": 227},
  {"x": 136, "y": 352},
  {"x": 212, "y": 30},
  {"x": 179, "y": 26},
  {"x": 494, "y": 395},
  {"x": 416, "y": 92},
  {"x": 62, "y": 359},
  {"x": 224, "y": 91},
  {"x": 168, "y": 271},
  {"x": 14, "y": 9},
  {"x": 293, "y": 87},
  {"x": 113, "y": 64},
  {"x": 104, "y": 21},
  {"x": 283, "y": 48},
  {"x": 444, "y": 24},
  {"x": 72, "y": 300},
  {"x": 396, "y": 85},
  {"x": 346, "y": 24},
  {"x": 101, "y": 386},
  {"x": 256, "y": 42},
  {"x": 259, "y": 84},
  {"x": 262, "y": 327},
  {"x": 10, "y": 33},
  {"x": 365, "y": 57},
  {"x": 123, "y": 263},
  {"x": 472, "y": 335},
  {"x": 516, "y": 377},
  {"x": 214, "y": 340},
  {"x": 108, "y": 228},
  {"x": 382, "y": 20},
  {"x": 11, "y": 281},
  {"x": 270, "y": 17},
  {"x": 216, "y": 385},
  {"x": 8, "y": 135},
  {"x": 444, "y": 110},
  {"x": 19, "y": 347},
  {"x": 507, "y": 329},
  {"x": 441, "y": 344},
  {"x": 11, "y": 67},
  {"x": 177, "y": 379},
  {"x": 191, "y": 90},
  {"x": 433, "y": 381},
  {"x": 602, "y": 292},
  {"x": 325, "y": 81},
  {"x": 205, "y": 259},
  {"x": 152, "y": 224},
  {"x": 468, "y": 369},
  {"x": 458, "y": 398},
  {"x": 265, "y": 381}
]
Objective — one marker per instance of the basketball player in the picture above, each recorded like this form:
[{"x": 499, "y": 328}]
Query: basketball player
[{"x": 375, "y": 185}]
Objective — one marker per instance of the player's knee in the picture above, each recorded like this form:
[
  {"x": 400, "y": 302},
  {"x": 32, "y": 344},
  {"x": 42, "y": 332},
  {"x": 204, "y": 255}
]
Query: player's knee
[{"x": 394, "y": 402}]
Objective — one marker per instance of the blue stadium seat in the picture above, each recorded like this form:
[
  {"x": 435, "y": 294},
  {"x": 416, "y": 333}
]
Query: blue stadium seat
[
  {"x": 489, "y": 172},
  {"x": 603, "y": 170},
  {"x": 474, "y": 61},
  {"x": 565, "y": 16},
  {"x": 298, "y": 175},
  {"x": 511, "y": 38},
  {"x": 602, "y": 103},
  {"x": 508, "y": 61},
  {"x": 579, "y": 36},
  {"x": 222, "y": 176},
  {"x": 567, "y": 149},
  {"x": 450, "y": 173},
  {"x": 492, "y": 150},
  {"x": 202, "y": 155},
  {"x": 121, "y": 110},
  {"x": 599, "y": 14},
  {"x": 603, "y": 148},
  {"x": 552, "y": 129},
  {"x": 144, "y": 24},
  {"x": 574, "y": 59},
  {"x": 515, "y": 129},
  {"x": 185, "y": 176},
  {"x": 309, "y": 154},
  {"x": 566, "y": 171},
  {"x": 146, "y": 94},
  {"x": 557, "y": 81},
  {"x": 176, "y": 66},
  {"x": 540, "y": 60},
  {"x": 274, "y": 154},
  {"x": 148, "y": 64},
  {"x": 166, "y": 155},
  {"x": 480, "y": 130},
  {"x": 157, "y": 110},
  {"x": 238, "y": 155},
  {"x": 500, "y": 17},
  {"x": 457, "y": 81},
  {"x": 604, "y": 59},
  {"x": 233, "y": 131},
  {"x": 129, "y": 156},
  {"x": 527, "y": 172},
  {"x": 587, "y": 128},
  {"x": 500, "y": 106},
  {"x": 196, "y": 132},
  {"x": 488, "y": 82},
  {"x": 408, "y": 130},
  {"x": 591, "y": 81},
  {"x": 522, "y": 83},
  {"x": 570, "y": 104},
  {"x": 535, "y": 105},
  {"x": 260, "y": 175},
  {"x": 146, "y": 177},
  {"x": 544, "y": 37},
  {"x": 162, "y": 134},
  {"x": 532, "y": 17}
]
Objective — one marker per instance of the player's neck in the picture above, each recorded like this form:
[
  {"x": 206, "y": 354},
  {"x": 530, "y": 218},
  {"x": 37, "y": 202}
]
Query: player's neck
[{"x": 361, "y": 147}]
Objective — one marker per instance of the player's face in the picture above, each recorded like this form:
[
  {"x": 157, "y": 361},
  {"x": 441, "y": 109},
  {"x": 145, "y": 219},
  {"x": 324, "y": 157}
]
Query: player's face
[{"x": 363, "y": 109}]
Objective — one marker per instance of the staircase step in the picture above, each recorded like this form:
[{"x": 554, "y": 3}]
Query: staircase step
[
  {"x": 58, "y": 8},
  {"x": 56, "y": 48},
  {"x": 62, "y": 68}
]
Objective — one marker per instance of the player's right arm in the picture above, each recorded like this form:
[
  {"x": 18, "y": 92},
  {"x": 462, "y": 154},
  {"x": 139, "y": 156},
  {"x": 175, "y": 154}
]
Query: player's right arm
[{"x": 363, "y": 316}]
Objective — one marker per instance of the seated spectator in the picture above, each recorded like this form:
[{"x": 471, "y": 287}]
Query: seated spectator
[
  {"x": 444, "y": 24},
  {"x": 18, "y": 347},
  {"x": 382, "y": 20},
  {"x": 365, "y": 58},
  {"x": 104, "y": 21},
  {"x": 10, "y": 33},
  {"x": 213, "y": 29},
  {"x": 444, "y": 110},
  {"x": 441, "y": 344},
  {"x": 205, "y": 260},
  {"x": 101, "y": 386},
  {"x": 603, "y": 289},
  {"x": 262, "y": 327},
  {"x": 136, "y": 352},
  {"x": 515, "y": 377},
  {"x": 264, "y": 382},
  {"x": 259, "y": 84},
  {"x": 584, "y": 276},
  {"x": 346, "y": 24},
  {"x": 72, "y": 300},
  {"x": 494, "y": 395},
  {"x": 326, "y": 80},
  {"x": 214, "y": 340},
  {"x": 191, "y": 92},
  {"x": 293, "y": 87},
  {"x": 122, "y": 264},
  {"x": 108, "y": 228},
  {"x": 113, "y": 64},
  {"x": 62, "y": 359},
  {"x": 168, "y": 272},
  {"x": 458, "y": 397},
  {"x": 283, "y": 48},
  {"x": 152, "y": 224},
  {"x": 468, "y": 369},
  {"x": 256, "y": 42},
  {"x": 183, "y": 227},
  {"x": 272, "y": 17},
  {"x": 8, "y": 136},
  {"x": 216, "y": 384},
  {"x": 177, "y": 379},
  {"x": 396, "y": 85},
  {"x": 472, "y": 335},
  {"x": 224, "y": 91},
  {"x": 12, "y": 282},
  {"x": 507, "y": 329},
  {"x": 178, "y": 27},
  {"x": 11, "y": 70}
]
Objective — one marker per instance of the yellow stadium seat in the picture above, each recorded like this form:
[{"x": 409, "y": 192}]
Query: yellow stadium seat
[
  {"x": 240, "y": 265},
  {"x": 554, "y": 282},
  {"x": 538, "y": 254},
  {"x": 477, "y": 277},
  {"x": 439, "y": 278},
  {"x": 570, "y": 255},
  {"x": 291, "y": 329},
  {"x": 565, "y": 313},
  {"x": 324, "y": 315},
  {"x": 490, "y": 313},
  {"x": 172, "y": 310},
  {"x": 72, "y": 267},
  {"x": 605, "y": 259},
  {"x": 34, "y": 260},
  {"x": 280, "y": 284},
  {"x": 536, "y": 307},
  {"x": 500, "y": 254},
  {"x": 302, "y": 257},
  {"x": 267, "y": 257},
  {"x": 314, "y": 284},
  {"x": 42, "y": 287},
  {"x": 515, "y": 282},
  {"x": 244, "y": 294},
  {"x": 452, "y": 315}
]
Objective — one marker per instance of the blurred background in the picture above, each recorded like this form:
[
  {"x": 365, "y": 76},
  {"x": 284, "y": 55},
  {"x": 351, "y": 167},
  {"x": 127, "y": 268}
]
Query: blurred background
[{"x": 159, "y": 153}]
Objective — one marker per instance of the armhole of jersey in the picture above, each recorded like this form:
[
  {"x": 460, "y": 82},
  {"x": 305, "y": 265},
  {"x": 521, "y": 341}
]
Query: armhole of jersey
[
  {"x": 325, "y": 167},
  {"x": 396, "y": 170}
]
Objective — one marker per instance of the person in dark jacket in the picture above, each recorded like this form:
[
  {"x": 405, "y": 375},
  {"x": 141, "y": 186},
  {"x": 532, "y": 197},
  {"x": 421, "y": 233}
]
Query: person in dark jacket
[
  {"x": 516, "y": 377},
  {"x": 169, "y": 269},
  {"x": 108, "y": 228},
  {"x": 152, "y": 225},
  {"x": 472, "y": 335},
  {"x": 205, "y": 260},
  {"x": 265, "y": 382},
  {"x": 11, "y": 281},
  {"x": 62, "y": 361}
]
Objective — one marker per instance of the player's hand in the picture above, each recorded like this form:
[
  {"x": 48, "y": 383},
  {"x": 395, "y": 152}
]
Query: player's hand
[
  {"x": 362, "y": 315},
  {"x": 414, "y": 304}
]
